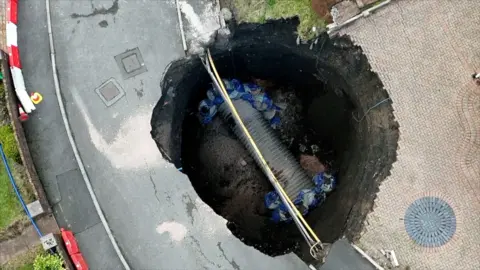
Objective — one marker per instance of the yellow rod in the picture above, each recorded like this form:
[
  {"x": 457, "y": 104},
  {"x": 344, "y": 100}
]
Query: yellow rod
[{"x": 264, "y": 162}]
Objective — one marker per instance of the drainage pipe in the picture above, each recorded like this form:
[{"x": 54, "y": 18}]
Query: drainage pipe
[
  {"x": 287, "y": 170},
  {"x": 335, "y": 27},
  {"x": 316, "y": 246}
]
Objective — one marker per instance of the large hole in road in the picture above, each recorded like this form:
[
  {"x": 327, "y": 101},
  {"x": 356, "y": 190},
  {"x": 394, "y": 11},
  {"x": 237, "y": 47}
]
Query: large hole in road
[{"x": 328, "y": 88}]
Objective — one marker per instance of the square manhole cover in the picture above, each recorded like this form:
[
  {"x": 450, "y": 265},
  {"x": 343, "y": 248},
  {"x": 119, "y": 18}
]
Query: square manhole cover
[
  {"x": 110, "y": 92},
  {"x": 131, "y": 63}
]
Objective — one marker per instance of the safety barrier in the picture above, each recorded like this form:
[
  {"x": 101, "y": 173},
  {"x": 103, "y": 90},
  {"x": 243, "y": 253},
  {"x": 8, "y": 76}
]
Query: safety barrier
[
  {"x": 73, "y": 250},
  {"x": 14, "y": 57}
]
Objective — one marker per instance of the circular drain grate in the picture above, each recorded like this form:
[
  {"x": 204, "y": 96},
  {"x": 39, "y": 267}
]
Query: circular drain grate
[{"x": 430, "y": 222}]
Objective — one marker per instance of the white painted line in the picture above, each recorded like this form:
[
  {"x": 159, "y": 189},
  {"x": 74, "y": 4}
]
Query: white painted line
[{"x": 74, "y": 145}]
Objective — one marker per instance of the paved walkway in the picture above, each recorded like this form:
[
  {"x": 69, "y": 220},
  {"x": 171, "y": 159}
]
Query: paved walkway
[
  {"x": 26, "y": 241},
  {"x": 425, "y": 53}
]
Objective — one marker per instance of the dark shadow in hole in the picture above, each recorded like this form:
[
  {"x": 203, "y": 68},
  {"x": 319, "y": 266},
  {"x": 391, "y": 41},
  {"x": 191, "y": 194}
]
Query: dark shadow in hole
[{"x": 332, "y": 81}]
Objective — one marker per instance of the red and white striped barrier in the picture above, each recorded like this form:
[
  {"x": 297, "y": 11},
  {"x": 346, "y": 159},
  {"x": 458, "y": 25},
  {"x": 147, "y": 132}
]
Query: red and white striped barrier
[{"x": 14, "y": 57}]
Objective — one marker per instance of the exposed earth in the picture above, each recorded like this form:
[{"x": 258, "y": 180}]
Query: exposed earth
[{"x": 328, "y": 87}]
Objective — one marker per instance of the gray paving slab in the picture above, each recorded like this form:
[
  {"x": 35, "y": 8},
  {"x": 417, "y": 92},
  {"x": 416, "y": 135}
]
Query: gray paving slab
[
  {"x": 75, "y": 196},
  {"x": 343, "y": 256},
  {"x": 146, "y": 201},
  {"x": 45, "y": 132},
  {"x": 98, "y": 258}
]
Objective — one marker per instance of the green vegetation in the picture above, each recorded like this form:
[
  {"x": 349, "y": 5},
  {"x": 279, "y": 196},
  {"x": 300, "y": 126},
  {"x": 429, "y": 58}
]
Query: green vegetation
[
  {"x": 2, "y": 90},
  {"x": 11, "y": 209},
  {"x": 35, "y": 259},
  {"x": 48, "y": 262},
  {"x": 9, "y": 143},
  {"x": 7, "y": 137},
  {"x": 258, "y": 11}
]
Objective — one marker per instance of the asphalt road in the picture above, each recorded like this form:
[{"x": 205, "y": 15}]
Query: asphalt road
[
  {"x": 51, "y": 151},
  {"x": 155, "y": 215}
]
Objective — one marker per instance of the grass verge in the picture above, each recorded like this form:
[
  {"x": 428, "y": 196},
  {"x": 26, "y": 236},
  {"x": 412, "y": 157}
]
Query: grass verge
[
  {"x": 9, "y": 143},
  {"x": 24, "y": 261},
  {"x": 258, "y": 11},
  {"x": 10, "y": 208}
]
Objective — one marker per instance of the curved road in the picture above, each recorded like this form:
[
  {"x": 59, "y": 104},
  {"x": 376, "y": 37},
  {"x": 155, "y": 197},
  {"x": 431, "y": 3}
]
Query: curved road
[
  {"x": 156, "y": 217},
  {"x": 158, "y": 220}
]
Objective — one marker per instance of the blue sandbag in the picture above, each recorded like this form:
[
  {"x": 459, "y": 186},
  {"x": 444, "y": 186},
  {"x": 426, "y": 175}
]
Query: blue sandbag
[
  {"x": 324, "y": 182},
  {"x": 280, "y": 216},
  {"x": 252, "y": 88},
  {"x": 275, "y": 122},
  {"x": 249, "y": 92},
  {"x": 234, "y": 88},
  {"x": 272, "y": 200},
  {"x": 306, "y": 200},
  {"x": 207, "y": 111},
  {"x": 217, "y": 100}
]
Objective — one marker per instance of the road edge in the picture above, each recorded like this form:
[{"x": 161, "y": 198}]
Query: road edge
[
  {"x": 78, "y": 158},
  {"x": 26, "y": 157}
]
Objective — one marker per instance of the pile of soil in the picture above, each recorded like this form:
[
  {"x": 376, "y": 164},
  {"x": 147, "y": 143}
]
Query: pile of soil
[
  {"x": 323, "y": 7},
  {"x": 322, "y": 86}
]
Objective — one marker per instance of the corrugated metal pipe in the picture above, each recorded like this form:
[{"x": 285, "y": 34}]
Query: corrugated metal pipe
[{"x": 287, "y": 169}]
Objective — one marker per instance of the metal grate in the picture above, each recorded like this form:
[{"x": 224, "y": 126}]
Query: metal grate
[
  {"x": 131, "y": 63},
  {"x": 110, "y": 92},
  {"x": 430, "y": 222}
]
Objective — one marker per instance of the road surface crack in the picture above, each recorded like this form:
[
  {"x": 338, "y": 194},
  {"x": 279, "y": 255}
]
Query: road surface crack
[
  {"x": 232, "y": 262},
  {"x": 155, "y": 189},
  {"x": 99, "y": 11}
]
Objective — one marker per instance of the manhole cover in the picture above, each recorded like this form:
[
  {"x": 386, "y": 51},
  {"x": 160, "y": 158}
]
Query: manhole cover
[
  {"x": 130, "y": 63},
  {"x": 110, "y": 92},
  {"x": 430, "y": 222}
]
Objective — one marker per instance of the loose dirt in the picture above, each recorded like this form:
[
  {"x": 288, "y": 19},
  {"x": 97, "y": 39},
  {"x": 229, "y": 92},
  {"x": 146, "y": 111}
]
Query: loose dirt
[{"x": 322, "y": 86}]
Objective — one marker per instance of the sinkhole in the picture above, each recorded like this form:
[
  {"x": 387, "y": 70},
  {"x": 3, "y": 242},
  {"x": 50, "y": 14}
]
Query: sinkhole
[{"x": 329, "y": 91}]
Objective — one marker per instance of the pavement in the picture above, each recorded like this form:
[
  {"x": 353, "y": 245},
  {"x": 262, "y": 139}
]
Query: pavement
[
  {"x": 110, "y": 59},
  {"x": 425, "y": 52},
  {"x": 26, "y": 241}
]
